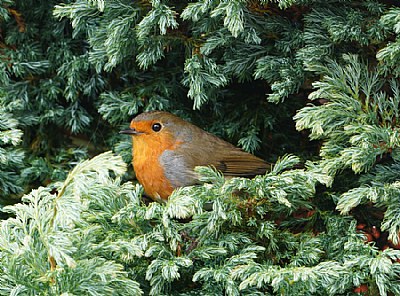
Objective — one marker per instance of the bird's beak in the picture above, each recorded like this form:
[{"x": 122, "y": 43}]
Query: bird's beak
[{"x": 130, "y": 131}]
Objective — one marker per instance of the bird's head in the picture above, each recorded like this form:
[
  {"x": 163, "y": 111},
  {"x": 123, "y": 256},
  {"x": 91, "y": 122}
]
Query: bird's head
[{"x": 157, "y": 127}]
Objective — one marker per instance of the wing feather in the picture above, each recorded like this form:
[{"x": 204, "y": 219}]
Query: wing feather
[
  {"x": 225, "y": 157},
  {"x": 242, "y": 164}
]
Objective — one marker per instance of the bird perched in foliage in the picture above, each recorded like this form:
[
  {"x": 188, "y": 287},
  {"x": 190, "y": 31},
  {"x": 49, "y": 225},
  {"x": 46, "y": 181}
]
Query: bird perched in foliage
[{"x": 166, "y": 149}]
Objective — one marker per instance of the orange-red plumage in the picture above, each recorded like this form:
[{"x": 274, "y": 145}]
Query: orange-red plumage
[
  {"x": 166, "y": 149},
  {"x": 148, "y": 147}
]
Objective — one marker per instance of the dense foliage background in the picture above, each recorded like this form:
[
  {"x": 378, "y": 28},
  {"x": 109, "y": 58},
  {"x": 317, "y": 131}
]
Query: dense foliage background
[{"x": 311, "y": 85}]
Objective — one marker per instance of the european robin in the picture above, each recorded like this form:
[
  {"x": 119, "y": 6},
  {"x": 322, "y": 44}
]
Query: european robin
[{"x": 166, "y": 149}]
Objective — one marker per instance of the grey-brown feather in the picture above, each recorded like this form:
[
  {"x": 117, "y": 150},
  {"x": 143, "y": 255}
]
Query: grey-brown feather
[{"x": 210, "y": 150}]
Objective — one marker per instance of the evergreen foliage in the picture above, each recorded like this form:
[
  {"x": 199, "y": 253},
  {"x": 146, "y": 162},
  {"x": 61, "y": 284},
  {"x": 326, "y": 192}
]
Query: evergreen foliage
[
  {"x": 11, "y": 158},
  {"x": 91, "y": 234},
  {"x": 315, "y": 79}
]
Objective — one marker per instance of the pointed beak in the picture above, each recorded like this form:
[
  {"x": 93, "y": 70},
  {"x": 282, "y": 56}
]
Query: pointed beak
[{"x": 130, "y": 131}]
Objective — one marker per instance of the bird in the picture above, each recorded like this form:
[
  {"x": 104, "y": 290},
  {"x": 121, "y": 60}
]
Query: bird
[{"x": 166, "y": 149}]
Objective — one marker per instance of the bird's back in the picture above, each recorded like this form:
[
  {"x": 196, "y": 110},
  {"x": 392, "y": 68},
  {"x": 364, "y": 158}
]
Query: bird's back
[{"x": 200, "y": 148}]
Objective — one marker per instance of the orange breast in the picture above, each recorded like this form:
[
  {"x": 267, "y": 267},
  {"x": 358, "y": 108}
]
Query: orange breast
[{"x": 149, "y": 172}]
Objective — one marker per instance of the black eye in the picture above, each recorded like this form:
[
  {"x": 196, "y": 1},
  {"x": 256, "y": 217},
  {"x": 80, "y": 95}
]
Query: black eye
[{"x": 156, "y": 127}]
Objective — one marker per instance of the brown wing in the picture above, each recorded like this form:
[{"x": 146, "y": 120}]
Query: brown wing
[
  {"x": 241, "y": 164},
  {"x": 228, "y": 159}
]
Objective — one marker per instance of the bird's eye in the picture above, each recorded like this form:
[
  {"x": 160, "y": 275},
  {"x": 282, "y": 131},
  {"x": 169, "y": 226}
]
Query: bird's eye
[{"x": 156, "y": 127}]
